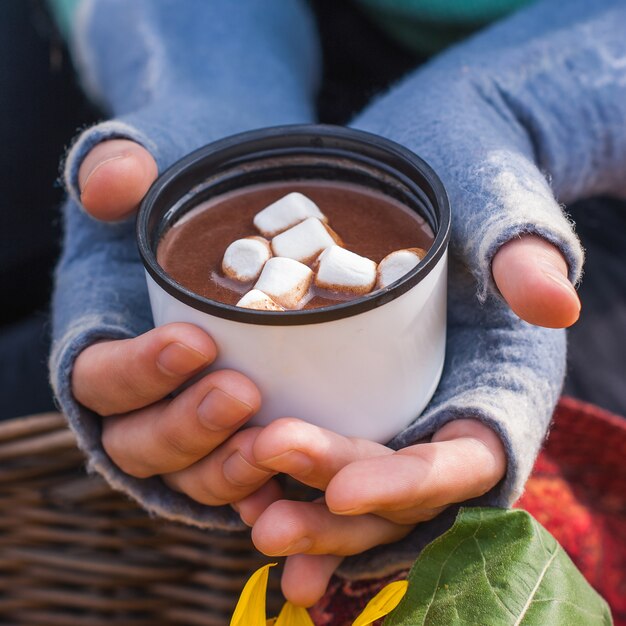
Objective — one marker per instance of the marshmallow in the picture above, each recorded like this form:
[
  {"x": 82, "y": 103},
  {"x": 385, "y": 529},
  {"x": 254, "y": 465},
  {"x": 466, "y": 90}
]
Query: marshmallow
[
  {"x": 397, "y": 264},
  {"x": 244, "y": 259},
  {"x": 256, "y": 299},
  {"x": 305, "y": 241},
  {"x": 286, "y": 212},
  {"x": 285, "y": 281},
  {"x": 340, "y": 270}
]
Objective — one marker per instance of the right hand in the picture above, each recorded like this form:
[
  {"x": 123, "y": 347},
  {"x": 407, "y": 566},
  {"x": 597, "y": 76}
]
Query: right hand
[{"x": 193, "y": 440}]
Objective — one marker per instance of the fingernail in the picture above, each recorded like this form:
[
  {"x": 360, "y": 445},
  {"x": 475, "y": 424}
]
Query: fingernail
[
  {"x": 554, "y": 274},
  {"x": 176, "y": 359},
  {"x": 84, "y": 174},
  {"x": 356, "y": 510},
  {"x": 238, "y": 471},
  {"x": 302, "y": 545},
  {"x": 219, "y": 410},
  {"x": 290, "y": 462}
]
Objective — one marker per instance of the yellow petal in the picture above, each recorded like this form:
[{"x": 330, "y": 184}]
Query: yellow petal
[
  {"x": 292, "y": 615},
  {"x": 385, "y": 601},
  {"x": 250, "y": 610}
]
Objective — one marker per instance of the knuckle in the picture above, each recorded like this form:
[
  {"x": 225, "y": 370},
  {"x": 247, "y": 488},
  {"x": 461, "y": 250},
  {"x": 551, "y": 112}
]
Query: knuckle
[
  {"x": 195, "y": 487},
  {"x": 209, "y": 491},
  {"x": 113, "y": 442},
  {"x": 422, "y": 515},
  {"x": 130, "y": 386},
  {"x": 407, "y": 517},
  {"x": 110, "y": 443},
  {"x": 100, "y": 368},
  {"x": 176, "y": 442},
  {"x": 199, "y": 483}
]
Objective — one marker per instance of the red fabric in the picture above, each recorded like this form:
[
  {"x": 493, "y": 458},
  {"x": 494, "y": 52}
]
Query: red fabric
[{"x": 577, "y": 491}]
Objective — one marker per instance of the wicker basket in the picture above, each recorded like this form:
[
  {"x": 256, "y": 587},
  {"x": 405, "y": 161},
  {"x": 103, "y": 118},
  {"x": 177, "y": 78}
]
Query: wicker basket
[{"x": 75, "y": 553}]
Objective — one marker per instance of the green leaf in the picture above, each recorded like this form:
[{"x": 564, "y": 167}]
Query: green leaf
[{"x": 497, "y": 568}]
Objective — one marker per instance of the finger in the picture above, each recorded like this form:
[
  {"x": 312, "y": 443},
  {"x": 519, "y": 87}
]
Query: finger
[
  {"x": 226, "y": 475},
  {"x": 173, "y": 434},
  {"x": 114, "y": 177},
  {"x": 464, "y": 461},
  {"x": 306, "y": 576},
  {"x": 287, "y": 527},
  {"x": 251, "y": 507},
  {"x": 310, "y": 454},
  {"x": 119, "y": 376},
  {"x": 531, "y": 275}
]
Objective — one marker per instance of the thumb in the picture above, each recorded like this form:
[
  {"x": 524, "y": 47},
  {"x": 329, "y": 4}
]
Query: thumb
[
  {"x": 114, "y": 177},
  {"x": 531, "y": 275}
]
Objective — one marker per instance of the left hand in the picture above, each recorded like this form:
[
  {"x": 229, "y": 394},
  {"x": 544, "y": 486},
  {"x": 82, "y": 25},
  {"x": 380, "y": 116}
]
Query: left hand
[{"x": 373, "y": 494}]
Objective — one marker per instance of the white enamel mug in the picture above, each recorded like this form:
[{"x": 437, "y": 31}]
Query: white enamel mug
[{"x": 364, "y": 368}]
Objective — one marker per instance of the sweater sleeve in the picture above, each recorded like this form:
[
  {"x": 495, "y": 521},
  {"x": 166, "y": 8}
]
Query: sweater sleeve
[
  {"x": 525, "y": 115},
  {"x": 173, "y": 76}
]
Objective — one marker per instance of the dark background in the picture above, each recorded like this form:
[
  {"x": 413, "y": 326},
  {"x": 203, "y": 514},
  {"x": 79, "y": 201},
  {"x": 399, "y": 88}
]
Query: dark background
[{"x": 40, "y": 109}]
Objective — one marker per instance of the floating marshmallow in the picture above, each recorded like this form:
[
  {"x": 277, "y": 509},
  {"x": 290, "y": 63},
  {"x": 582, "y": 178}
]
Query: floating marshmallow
[
  {"x": 285, "y": 213},
  {"x": 256, "y": 299},
  {"x": 340, "y": 270},
  {"x": 305, "y": 241},
  {"x": 397, "y": 264},
  {"x": 244, "y": 259},
  {"x": 285, "y": 281}
]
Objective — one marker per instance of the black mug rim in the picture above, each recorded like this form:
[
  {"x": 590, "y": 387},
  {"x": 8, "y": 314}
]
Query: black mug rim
[{"x": 307, "y": 136}]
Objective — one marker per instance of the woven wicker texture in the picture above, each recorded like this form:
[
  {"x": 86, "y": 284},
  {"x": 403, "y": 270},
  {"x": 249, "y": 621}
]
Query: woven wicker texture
[{"x": 75, "y": 553}]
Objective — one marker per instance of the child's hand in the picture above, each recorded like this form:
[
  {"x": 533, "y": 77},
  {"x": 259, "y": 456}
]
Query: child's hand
[
  {"x": 128, "y": 381},
  {"x": 373, "y": 495},
  {"x": 186, "y": 439}
]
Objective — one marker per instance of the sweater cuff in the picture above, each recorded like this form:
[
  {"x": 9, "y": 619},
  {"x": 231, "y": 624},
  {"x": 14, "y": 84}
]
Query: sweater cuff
[
  {"x": 519, "y": 201},
  {"x": 89, "y": 138}
]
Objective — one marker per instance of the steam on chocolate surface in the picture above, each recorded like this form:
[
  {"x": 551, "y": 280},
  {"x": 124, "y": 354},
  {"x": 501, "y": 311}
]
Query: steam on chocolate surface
[{"x": 370, "y": 224}]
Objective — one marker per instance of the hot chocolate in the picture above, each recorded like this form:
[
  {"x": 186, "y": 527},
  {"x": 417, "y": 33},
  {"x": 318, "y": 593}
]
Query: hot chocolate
[{"x": 363, "y": 221}]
